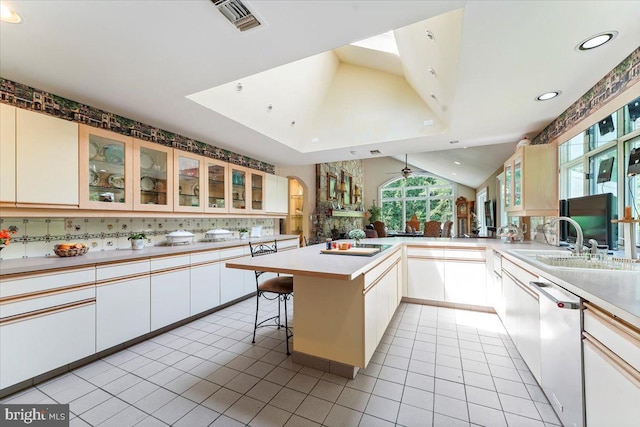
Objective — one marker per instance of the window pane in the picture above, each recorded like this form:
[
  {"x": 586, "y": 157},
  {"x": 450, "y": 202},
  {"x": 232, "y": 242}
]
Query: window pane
[
  {"x": 441, "y": 210},
  {"x": 416, "y": 207},
  {"x": 575, "y": 184},
  {"x": 572, "y": 149},
  {"x": 392, "y": 215},
  {"x": 604, "y": 131},
  {"x": 441, "y": 191},
  {"x": 632, "y": 116},
  {"x": 395, "y": 184},
  {"x": 416, "y": 192},
  {"x": 598, "y": 165},
  {"x": 391, "y": 194}
]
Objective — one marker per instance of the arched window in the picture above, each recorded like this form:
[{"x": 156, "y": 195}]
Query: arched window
[{"x": 426, "y": 196}]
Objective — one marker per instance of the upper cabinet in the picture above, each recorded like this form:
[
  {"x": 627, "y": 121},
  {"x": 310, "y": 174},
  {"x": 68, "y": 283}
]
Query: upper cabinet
[
  {"x": 238, "y": 179},
  {"x": 277, "y": 194},
  {"x": 217, "y": 188},
  {"x": 531, "y": 181},
  {"x": 7, "y": 155},
  {"x": 152, "y": 177},
  {"x": 106, "y": 169},
  {"x": 257, "y": 190},
  {"x": 189, "y": 179},
  {"x": 39, "y": 160}
]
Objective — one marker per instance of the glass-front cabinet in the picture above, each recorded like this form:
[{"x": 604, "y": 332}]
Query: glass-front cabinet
[
  {"x": 508, "y": 182},
  {"x": 257, "y": 191},
  {"x": 152, "y": 177},
  {"x": 189, "y": 178},
  {"x": 238, "y": 178},
  {"x": 517, "y": 181},
  {"x": 217, "y": 191},
  {"x": 106, "y": 169}
]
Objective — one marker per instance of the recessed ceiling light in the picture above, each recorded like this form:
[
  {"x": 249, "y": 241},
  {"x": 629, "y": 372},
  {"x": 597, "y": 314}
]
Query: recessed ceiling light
[
  {"x": 353, "y": 152},
  {"x": 429, "y": 34},
  {"x": 239, "y": 87},
  {"x": 548, "y": 95},
  {"x": 293, "y": 122},
  {"x": 8, "y": 15},
  {"x": 432, "y": 72},
  {"x": 269, "y": 108},
  {"x": 597, "y": 40},
  {"x": 457, "y": 163}
]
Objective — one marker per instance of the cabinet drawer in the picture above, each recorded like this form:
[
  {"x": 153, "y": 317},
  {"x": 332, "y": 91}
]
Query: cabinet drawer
[
  {"x": 232, "y": 253},
  {"x": 424, "y": 252},
  {"x": 201, "y": 257},
  {"x": 622, "y": 339},
  {"x": 19, "y": 307},
  {"x": 46, "y": 281},
  {"x": 113, "y": 271},
  {"x": 165, "y": 263},
  {"x": 465, "y": 254},
  {"x": 287, "y": 244}
]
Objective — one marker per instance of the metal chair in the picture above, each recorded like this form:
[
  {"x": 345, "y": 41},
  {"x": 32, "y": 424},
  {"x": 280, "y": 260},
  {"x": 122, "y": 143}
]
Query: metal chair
[
  {"x": 432, "y": 228},
  {"x": 280, "y": 287}
]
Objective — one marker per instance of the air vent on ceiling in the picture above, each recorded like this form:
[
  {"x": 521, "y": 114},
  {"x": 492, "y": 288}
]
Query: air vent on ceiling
[
  {"x": 375, "y": 152},
  {"x": 237, "y": 13}
]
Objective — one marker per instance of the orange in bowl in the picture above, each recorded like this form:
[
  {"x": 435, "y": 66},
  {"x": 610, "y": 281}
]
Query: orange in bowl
[{"x": 343, "y": 246}]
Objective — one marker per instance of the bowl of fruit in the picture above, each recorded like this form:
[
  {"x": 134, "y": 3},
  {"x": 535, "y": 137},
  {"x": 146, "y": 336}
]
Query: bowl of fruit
[{"x": 70, "y": 249}]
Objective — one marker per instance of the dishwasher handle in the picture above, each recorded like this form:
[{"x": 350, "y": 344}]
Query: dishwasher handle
[{"x": 539, "y": 286}]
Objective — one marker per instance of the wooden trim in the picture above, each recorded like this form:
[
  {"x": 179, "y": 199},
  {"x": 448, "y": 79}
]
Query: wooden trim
[
  {"x": 233, "y": 257},
  {"x": 13, "y": 276},
  {"x": 522, "y": 286},
  {"x": 616, "y": 325},
  {"x": 476, "y": 261},
  {"x": 169, "y": 270},
  {"x": 122, "y": 279},
  {"x": 203, "y": 263},
  {"x": 46, "y": 311},
  {"x": 380, "y": 277},
  {"x": 613, "y": 359},
  {"x": 425, "y": 257},
  {"x": 27, "y": 205},
  {"x": 45, "y": 293}
]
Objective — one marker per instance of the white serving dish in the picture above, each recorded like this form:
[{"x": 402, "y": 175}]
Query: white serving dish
[
  {"x": 180, "y": 237},
  {"x": 218, "y": 235}
]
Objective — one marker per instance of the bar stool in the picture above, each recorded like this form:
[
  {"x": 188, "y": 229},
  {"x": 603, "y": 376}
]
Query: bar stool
[{"x": 280, "y": 287}]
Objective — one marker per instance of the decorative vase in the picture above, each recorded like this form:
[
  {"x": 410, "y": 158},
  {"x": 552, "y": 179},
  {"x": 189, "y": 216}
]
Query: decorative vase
[{"x": 137, "y": 244}]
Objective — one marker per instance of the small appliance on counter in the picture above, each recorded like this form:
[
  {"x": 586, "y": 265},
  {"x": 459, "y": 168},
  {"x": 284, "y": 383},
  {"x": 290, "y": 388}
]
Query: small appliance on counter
[
  {"x": 512, "y": 233},
  {"x": 217, "y": 235},
  {"x": 180, "y": 237}
]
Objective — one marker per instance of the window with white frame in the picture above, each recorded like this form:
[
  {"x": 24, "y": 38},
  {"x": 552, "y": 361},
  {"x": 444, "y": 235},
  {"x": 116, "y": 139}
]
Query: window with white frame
[{"x": 428, "y": 197}]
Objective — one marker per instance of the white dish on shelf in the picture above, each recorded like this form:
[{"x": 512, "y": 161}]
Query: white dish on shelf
[
  {"x": 114, "y": 154},
  {"x": 116, "y": 181},
  {"x": 146, "y": 161},
  {"x": 147, "y": 183},
  {"x": 94, "y": 178}
]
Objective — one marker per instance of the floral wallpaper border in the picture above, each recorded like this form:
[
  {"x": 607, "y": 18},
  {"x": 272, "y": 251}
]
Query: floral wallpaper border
[
  {"x": 614, "y": 83},
  {"x": 26, "y": 97}
]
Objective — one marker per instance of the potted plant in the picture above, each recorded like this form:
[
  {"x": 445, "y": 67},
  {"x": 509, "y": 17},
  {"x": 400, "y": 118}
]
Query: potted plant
[
  {"x": 137, "y": 240},
  {"x": 374, "y": 213},
  {"x": 357, "y": 234},
  {"x": 244, "y": 232}
]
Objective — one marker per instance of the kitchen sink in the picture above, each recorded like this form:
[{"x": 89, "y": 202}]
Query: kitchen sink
[
  {"x": 566, "y": 259},
  {"x": 536, "y": 252}
]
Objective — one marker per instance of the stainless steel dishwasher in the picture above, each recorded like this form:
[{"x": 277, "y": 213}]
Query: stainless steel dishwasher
[{"x": 561, "y": 351}]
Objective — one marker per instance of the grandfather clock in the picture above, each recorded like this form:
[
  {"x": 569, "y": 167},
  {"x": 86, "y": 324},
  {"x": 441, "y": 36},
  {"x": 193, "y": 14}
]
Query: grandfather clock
[{"x": 463, "y": 216}]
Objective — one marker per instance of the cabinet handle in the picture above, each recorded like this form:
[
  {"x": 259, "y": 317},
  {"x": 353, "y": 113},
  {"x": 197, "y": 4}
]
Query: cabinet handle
[
  {"x": 373, "y": 285},
  {"x": 522, "y": 286},
  {"x": 615, "y": 325},
  {"x": 612, "y": 359},
  {"x": 47, "y": 311},
  {"x": 46, "y": 293}
]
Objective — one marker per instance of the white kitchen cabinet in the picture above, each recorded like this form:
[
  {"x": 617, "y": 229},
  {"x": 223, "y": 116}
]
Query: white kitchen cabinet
[
  {"x": 7, "y": 155},
  {"x": 425, "y": 273},
  {"x": 510, "y": 298},
  {"x": 46, "y": 160},
  {"x": 277, "y": 194},
  {"x": 205, "y": 281},
  {"x": 232, "y": 280},
  {"x": 464, "y": 276},
  {"x": 170, "y": 290},
  {"x": 611, "y": 369},
  {"x": 123, "y": 303}
]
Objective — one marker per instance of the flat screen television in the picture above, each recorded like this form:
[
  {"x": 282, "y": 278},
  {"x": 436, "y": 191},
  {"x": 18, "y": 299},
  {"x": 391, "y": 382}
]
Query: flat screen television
[
  {"x": 490, "y": 213},
  {"x": 634, "y": 162},
  {"x": 594, "y": 214}
]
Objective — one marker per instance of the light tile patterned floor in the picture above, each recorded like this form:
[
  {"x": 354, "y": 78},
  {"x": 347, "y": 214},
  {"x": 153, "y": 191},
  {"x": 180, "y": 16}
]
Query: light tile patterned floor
[{"x": 434, "y": 367}]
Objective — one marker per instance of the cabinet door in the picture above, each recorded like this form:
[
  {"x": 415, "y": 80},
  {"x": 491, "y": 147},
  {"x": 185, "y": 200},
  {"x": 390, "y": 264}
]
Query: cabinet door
[
  {"x": 43, "y": 342},
  {"x": 528, "y": 327},
  {"x": 257, "y": 182},
  {"x": 170, "y": 297},
  {"x": 508, "y": 185},
  {"x": 123, "y": 310},
  {"x": 7, "y": 155},
  {"x": 232, "y": 284},
  {"x": 217, "y": 188},
  {"x": 517, "y": 182},
  {"x": 106, "y": 170},
  {"x": 189, "y": 178},
  {"x": 510, "y": 297},
  {"x": 238, "y": 177},
  {"x": 205, "y": 287},
  {"x": 46, "y": 160},
  {"x": 152, "y": 177},
  {"x": 370, "y": 323},
  {"x": 611, "y": 395},
  {"x": 271, "y": 201},
  {"x": 425, "y": 279},
  {"x": 465, "y": 282}
]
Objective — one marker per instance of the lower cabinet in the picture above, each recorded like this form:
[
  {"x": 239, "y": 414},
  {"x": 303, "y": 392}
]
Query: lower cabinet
[
  {"x": 232, "y": 280},
  {"x": 205, "y": 286},
  {"x": 170, "y": 290},
  {"x": 611, "y": 370},
  {"x": 46, "y": 340},
  {"x": 425, "y": 273}
]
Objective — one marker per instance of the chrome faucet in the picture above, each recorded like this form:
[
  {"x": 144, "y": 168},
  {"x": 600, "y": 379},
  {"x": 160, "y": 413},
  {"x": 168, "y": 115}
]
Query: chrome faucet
[
  {"x": 594, "y": 246},
  {"x": 579, "y": 236}
]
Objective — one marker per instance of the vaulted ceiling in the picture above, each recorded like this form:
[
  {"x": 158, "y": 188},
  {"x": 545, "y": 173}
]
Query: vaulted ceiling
[{"x": 159, "y": 62}]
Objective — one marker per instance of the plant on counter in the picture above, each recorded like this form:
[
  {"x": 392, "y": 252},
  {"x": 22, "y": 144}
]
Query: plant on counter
[
  {"x": 137, "y": 236},
  {"x": 357, "y": 234},
  {"x": 374, "y": 212},
  {"x": 243, "y": 232},
  {"x": 137, "y": 240}
]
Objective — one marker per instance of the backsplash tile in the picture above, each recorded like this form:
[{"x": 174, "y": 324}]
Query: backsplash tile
[{"x": 36, "y": 237}]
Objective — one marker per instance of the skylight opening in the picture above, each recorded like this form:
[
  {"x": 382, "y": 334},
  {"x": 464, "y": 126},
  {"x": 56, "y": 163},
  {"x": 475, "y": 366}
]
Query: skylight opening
[{"x": 385, "y": 42}]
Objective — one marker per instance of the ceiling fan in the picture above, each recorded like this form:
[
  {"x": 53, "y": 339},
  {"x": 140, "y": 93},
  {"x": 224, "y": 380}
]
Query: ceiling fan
[{"x": 406, "y": 170}]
